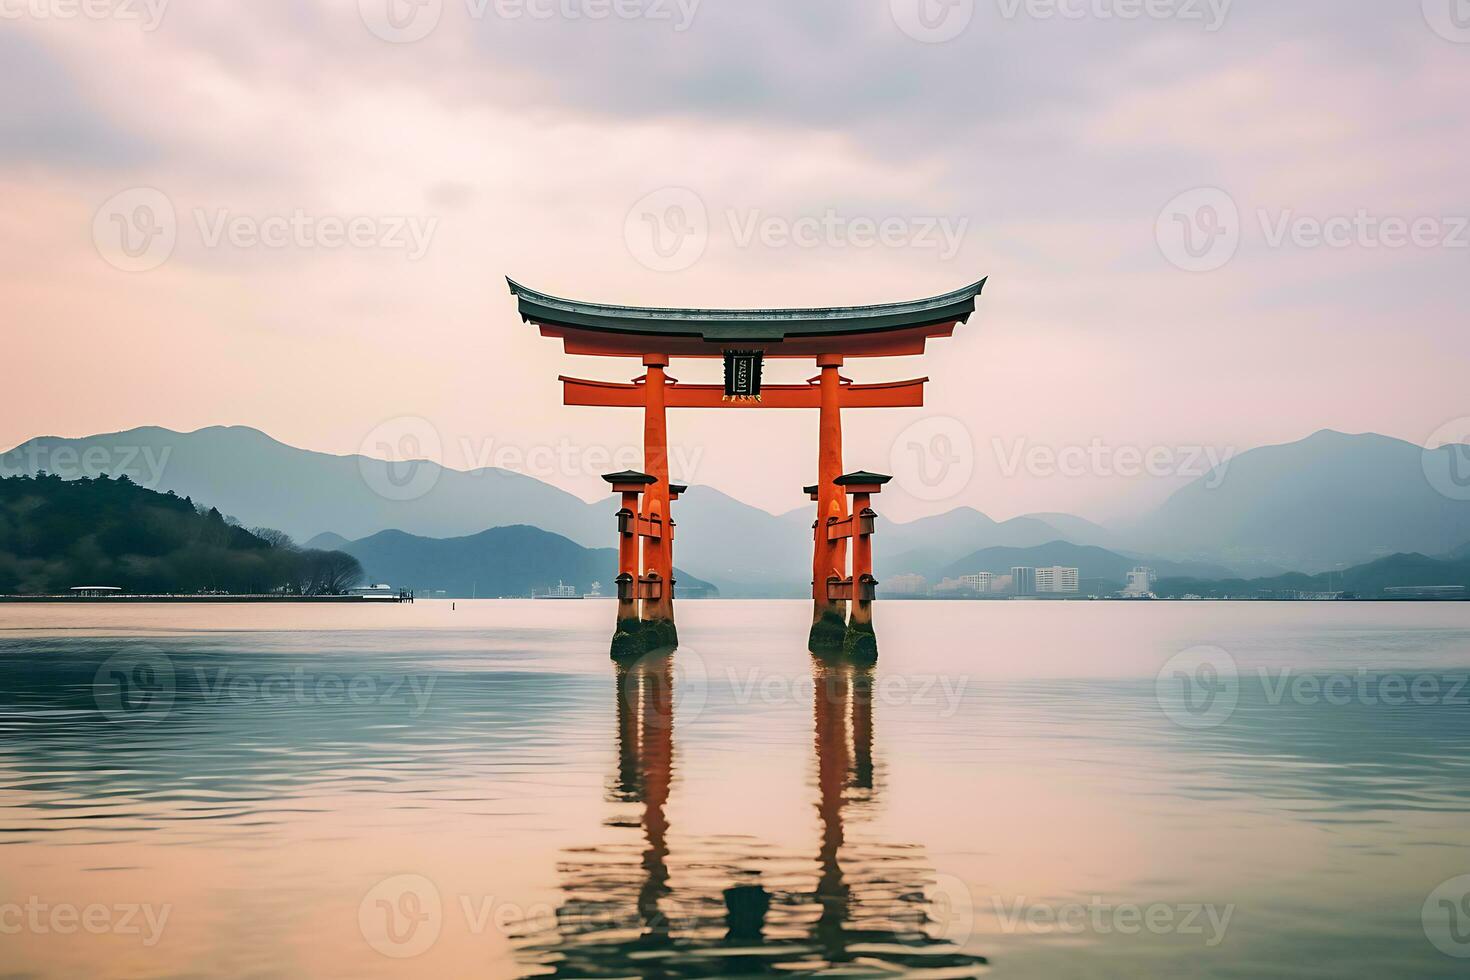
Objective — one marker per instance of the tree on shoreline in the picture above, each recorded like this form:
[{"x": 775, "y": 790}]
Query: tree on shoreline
[{"x": 56, "y": 534}]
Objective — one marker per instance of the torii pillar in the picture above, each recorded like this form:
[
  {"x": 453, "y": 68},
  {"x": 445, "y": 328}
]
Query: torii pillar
[
  {"x": 829, "y": 557},
  {"x": 860, "y": 643},
  {"x": 658, "y": 551},
  {"x": 630, "y": 484}
]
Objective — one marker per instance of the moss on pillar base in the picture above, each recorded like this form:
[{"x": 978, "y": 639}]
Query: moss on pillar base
[
  {"x": 827, "y": 633},
  {"x": 626, "y": 645},
  {"x": 659, "y": 633},
  {"x": 634, "y": 638},
  {"x": 860, "y": 644}
]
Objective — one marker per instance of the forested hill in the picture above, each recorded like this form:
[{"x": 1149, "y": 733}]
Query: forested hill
[{"x": 56, "y": 534}]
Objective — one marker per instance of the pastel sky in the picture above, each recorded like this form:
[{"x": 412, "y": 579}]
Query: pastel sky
[{"x": 537, "y": 138}]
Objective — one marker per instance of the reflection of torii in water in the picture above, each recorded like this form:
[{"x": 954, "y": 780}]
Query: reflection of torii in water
[{"x": 622, "y": 915}]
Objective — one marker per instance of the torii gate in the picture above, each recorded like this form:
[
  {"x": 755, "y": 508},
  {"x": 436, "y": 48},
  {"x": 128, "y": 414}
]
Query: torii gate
[{"x": 743, "y": 338}]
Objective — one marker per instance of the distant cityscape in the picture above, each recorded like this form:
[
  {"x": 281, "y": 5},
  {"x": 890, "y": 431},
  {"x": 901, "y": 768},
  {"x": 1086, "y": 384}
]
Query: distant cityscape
[{"x": 1022, "y": 582}]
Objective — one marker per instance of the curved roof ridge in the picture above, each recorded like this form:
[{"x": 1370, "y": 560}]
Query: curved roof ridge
[{"x": 942, "y": 300}]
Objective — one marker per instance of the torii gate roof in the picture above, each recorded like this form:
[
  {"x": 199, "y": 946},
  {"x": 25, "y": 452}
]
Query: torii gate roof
[{"x": 882, "y": 329}]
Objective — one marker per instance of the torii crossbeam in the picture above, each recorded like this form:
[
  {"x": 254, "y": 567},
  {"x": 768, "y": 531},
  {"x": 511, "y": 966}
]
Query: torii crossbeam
[{"x": 744, "y": 338}]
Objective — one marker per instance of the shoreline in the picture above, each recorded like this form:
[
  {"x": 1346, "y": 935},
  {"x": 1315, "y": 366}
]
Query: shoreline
[{"x": 68, "y": 599}]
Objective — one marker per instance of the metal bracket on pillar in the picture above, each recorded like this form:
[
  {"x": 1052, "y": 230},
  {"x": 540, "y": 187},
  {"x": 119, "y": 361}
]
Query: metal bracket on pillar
[
  {"x": 651, "y": 527},
  {"x": 627, "y": 586},
  {"x": 650, "y": 586},
  {"x": 839, "y": 588},
  {"x": 839, "y": 528}
]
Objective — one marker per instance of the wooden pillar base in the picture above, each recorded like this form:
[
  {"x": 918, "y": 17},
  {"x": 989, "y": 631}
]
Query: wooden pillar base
[
  {"x": 636, "y": 637},
  {"x": 828, "y": 632},
  {"x": 860, "y": 643}
]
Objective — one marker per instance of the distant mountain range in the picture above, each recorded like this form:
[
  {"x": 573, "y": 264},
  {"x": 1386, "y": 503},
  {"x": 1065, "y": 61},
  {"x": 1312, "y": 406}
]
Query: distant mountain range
[
  {"x": 1090, "y": 561},
  {"x": 1331, "y": 499},
  {"x": 1368, "y": 581},
  {"x": 246, "y": 473},
  {"x": 501, "y": 562}
]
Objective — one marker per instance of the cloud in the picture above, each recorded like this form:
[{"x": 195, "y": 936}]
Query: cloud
[
  {"x": 46, "y": 117},
  {"x": 1057, "y": 141}
]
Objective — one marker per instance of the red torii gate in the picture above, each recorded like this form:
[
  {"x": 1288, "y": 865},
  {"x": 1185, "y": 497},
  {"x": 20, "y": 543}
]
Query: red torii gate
[{"x": 743, "y": 338}]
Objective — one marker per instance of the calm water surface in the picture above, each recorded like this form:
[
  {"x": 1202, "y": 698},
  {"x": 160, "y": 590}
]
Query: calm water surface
[{"x": 1023, "y": 789}]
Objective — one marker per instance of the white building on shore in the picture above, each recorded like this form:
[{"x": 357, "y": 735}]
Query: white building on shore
[
  {"x": 980, "y": 581},
  {"x": 1056, "y": 580},
  {"x": 1140, "y": 582}
]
